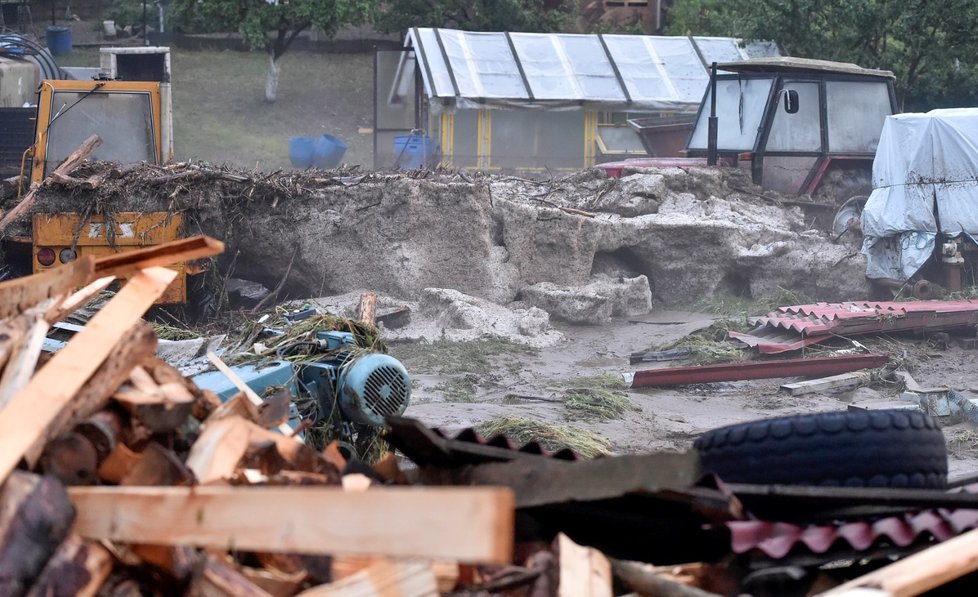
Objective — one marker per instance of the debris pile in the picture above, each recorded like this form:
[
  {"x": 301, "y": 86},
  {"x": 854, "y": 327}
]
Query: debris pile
[{"x": 690, "y": 232}]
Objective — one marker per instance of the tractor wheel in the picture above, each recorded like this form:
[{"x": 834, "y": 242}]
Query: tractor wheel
[{"x": 876, "y": 448}]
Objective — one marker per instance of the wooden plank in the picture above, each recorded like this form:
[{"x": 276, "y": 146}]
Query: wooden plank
[
  {"x": 921, "y": 572},
  {"x": 23, "y": 358},
  {"x": 584, "y": 571},
  {"x": 129, "y": 262},
  {"x": 344, "y": 566},
  {"x": 255, "y": 399},
  {"x": 20, "y": 294},
  {"x": 832, "y": 382},
  {"x": 387, "y": 578},
  {"x": 467, "y": 524},
  {"x": 28, "y": 416},
  {"x": 71, "y": 162},
  {"x": 220, "y": 579},
  {"x": 78, "y": 299}
]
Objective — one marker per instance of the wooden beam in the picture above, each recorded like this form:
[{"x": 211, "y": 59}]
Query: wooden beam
[
  {"x": 833, "y": 382},
  {"x": 76, "y": 157},
  {"x": 20, "y": 294},
  {"x": 470, "y": 525},
  {"x": 387, "y": 578},
  {"x": 584, "y": 571},
  {"x": 31, "y": 412},
  {"x": 919, "y": 573},
  {"x": 129, "y": 262}
]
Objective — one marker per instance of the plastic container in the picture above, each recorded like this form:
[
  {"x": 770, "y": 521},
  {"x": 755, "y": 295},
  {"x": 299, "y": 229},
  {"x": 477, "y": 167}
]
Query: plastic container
[
  {"x": 59, "y": 40},
  {"x": 413, "y": 151},
  {"x": 329, "y": 151},
  {"x": 302, "y": 151}
]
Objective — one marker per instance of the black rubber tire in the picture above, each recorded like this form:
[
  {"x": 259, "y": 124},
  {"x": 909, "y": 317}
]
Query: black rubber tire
[{"x": 874, "y": 448}]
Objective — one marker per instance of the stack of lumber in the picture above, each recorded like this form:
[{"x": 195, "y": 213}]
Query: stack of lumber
[{"x": 121, "y": 477}]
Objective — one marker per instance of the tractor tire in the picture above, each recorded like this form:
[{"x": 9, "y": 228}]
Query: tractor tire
[{"x": 876, "y": 448}]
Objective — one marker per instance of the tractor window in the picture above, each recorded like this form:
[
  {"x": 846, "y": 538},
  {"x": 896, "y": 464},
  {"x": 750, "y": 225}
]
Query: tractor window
[
  {"x": 740, "y": 106},
  {"x": 800, "y": 131},
  {"x": 124, "y": 121},
  {"x": 856, "y": 111}
]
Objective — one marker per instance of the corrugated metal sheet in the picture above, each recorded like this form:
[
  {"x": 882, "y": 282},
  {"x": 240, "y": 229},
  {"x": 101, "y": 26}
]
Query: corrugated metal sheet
[
  {"x": 778, "y": 539},
  {"x": 791, "y": 328}
]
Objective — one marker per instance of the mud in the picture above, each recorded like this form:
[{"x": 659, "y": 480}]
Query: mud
[{"x": 692, "y": 234}]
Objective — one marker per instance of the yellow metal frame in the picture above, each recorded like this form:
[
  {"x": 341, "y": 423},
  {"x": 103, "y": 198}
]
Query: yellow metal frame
[
  {"x": 133, "y": 230},
  {"x": 590, "y": 137},
  {"x": 46, "y": 101},
  {"x": 448, "y": 139},
  {"x": 484, "y": 140}
]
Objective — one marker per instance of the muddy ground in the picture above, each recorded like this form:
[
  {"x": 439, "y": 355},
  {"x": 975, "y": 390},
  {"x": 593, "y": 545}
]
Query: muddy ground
[{"x": 506, "y": 297}]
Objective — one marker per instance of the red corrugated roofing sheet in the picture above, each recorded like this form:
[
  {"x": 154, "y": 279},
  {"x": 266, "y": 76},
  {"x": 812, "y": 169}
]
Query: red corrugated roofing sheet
[{"x": 791, "y": 328}]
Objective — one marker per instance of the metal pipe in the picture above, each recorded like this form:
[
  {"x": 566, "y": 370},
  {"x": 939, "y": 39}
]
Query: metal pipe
[{"x": 711, "y": 138}]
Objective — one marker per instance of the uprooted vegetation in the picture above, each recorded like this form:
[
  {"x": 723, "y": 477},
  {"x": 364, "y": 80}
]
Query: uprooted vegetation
[{"x": 522, "y": 431}]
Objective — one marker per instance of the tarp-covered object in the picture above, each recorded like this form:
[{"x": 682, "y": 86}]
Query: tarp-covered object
[{"x": 925, "y": 181}]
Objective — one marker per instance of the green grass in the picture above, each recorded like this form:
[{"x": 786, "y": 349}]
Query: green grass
[
  {"x": 736, "y": 307},
  {"x": 599, "y": 382},
  {"x": 522, "y": 431},
  {"x": 456, "y": 358},
  {"x": 596, "y": 404}
]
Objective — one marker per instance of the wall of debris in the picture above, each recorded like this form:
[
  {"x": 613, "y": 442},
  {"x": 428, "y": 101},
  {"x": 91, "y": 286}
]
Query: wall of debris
[{"x": 691, "y": 234}]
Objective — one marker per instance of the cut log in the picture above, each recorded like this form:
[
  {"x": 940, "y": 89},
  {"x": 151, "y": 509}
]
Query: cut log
[
  {"x": 35, "y": 518},
  {"x": 584, "y": 571},
  {"x": 20, "y": 294},
  {"x": 216, "y": 453},
  {"x": 236, "y": 406},
  {"x": 158, "y": 466},
  {"x": 470, "y": 525},
  {"x": 367, "y": 308},
  {"x": 119, "y": 463},
  {"x": 136, "y": 343},
  {"x": 71, "y": 458},
  {"x": 919, "y": 573},
  {"x": 388, "y": 578},
  {"x": 104, "y": 430},
  {"x": 77, "y": 568},
  {"x": 76, "y": 157},
  {"x": 125, "y": 264}
]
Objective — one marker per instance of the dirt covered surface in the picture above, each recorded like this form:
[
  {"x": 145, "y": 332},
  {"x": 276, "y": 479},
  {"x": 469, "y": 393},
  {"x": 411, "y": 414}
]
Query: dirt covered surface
[{"x": 480, "y": 276}]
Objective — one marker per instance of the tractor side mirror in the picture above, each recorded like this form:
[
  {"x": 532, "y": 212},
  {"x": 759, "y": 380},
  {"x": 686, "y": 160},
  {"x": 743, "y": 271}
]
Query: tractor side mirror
[{"x": 790, "y": 101}]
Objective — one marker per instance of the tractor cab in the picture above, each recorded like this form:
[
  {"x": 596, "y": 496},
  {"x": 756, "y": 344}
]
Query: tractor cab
[{"x": 798, "y": 123}]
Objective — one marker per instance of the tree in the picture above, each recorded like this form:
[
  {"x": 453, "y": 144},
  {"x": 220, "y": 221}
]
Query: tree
[
  {"x": 272, "y": 24},
  {"x": 928, "y": 45},
  {"x": 474, "y": 15}
]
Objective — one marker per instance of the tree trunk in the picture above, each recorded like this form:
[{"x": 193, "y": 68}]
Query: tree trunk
[{"x": 271, "y": 80}]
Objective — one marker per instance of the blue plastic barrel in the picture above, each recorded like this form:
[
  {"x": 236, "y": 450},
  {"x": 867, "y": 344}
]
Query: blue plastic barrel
[
  {"x": 413, "y": 151},
  {"x": 59, "y": 40},
  {"x": 329, "y": 152},
  {"x": 302, "y": 151}
]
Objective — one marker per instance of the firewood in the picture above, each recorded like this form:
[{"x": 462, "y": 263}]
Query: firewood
[
  {"x": 583, "y": 571},
  {"x": 20, "y": 294},
  {"x": 220, "y": 579},
  {"x": 120, "y": 462},
  {"x": 243, "y": 387},
  {"x": 77, "y": 568},
  {"x": 35, "y": 517},
  {"x": 640, "y": 578},
  {"x": 135, "y": 344},
  {"x": 76, "y": 157},
  {"x": 104, "y": 430},
  {"x": 367, "y": 308},
  {"x": 386, "y": 577},
  {"x": 158, "y": 466},
  {"x": 236, "y": 406},
  {"x": 178, "y": 562},
  {"x": 71, "y": 458},
  {"x": 275, "y": 583},
  {"x": 219, "y": 449},
  {"x": 446, "y": 571},
  {"x": 127, "y": 263},
  {"x": 274, "y": 410}
]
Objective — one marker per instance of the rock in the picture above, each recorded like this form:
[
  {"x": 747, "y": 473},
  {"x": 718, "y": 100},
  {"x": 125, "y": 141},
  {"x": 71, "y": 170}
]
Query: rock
[
  {"x": 245, "y": 293},
  {"x": 594, "y": 303}
]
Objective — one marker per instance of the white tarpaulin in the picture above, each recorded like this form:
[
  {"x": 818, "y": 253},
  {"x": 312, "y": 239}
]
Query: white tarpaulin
[{"x": 925, "y": 181}]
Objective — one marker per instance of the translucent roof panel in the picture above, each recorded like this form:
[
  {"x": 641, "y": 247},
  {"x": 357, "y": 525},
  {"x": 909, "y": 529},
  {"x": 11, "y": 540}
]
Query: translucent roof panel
[
  {"x": 561, "y": 67},
  {"x": 640, "y": 67},
  {"x": 483, "y": 64},
  {"x": 635, "y": 71},
  {"x": 440, "y": 84},
  {"x": 683, "y": 66},
  {"x": 720, "y": 49}
]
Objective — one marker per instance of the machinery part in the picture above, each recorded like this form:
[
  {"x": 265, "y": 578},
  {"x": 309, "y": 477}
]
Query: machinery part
[
  {"x": 373, "y": 386},
  {"x": 878, "y": 448},
  {"x": 852, "y": 208},
  {"x": 925, "y": 290}
]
